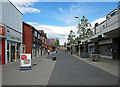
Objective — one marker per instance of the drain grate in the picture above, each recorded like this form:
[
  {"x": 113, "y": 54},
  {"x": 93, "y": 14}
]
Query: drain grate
[{"x": 34, "y": 64}]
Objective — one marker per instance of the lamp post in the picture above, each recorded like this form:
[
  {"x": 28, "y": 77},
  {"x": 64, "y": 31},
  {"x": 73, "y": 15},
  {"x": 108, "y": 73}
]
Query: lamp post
[
  {"x": 78, "y": 45},
  {"x": 78, "y": 19}
]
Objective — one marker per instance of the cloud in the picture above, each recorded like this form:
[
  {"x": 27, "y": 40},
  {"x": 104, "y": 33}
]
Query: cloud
[
  {"x": 99, "y": 20},
  {"x": 25, "y": 6},
  {"x": 60, "y": 32},
  {"x": 32, "y": 23},
  {"x": 55, "y": 31},
  {"x": 60, "y": 9}
]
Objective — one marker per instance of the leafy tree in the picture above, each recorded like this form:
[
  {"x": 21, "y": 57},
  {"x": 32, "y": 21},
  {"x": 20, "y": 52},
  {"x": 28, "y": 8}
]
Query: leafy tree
[
  {"x": 84, "y": 28},
  {"x": 65, "y": 44},
  {"x": 57, "y": 44},
  {"x": 71, "y": 37}
]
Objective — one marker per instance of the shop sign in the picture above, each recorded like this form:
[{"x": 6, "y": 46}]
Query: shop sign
[
  {"x": 25, "y": 60},
  {"x": 2, "y": 30},
  {"x": 12, "y": 37}
]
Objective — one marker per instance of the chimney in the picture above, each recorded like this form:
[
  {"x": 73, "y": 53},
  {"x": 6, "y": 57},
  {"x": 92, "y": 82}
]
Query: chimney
[{"x": 96, "y": 24}]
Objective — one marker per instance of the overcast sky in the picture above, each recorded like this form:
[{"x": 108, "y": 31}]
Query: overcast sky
[{"x": 57, "y": 18}]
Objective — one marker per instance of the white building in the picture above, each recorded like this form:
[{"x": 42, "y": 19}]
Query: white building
[
  {"x": 12, "y": 21},
  {"x": 106, "y": 37}
]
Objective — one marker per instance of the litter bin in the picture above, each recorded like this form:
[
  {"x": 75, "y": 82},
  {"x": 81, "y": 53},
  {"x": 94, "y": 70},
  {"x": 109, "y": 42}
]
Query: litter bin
[{"x": 54, "y": 58}]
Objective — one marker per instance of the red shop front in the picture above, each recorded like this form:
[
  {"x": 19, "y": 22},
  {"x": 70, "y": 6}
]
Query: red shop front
[{"x": 2, "y": 44}]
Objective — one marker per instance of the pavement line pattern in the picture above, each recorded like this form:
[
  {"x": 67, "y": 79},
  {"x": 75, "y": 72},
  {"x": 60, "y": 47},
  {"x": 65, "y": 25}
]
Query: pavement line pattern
[
  {"x": 50, "y": 73},
  {"x": 107, "y": 65},
  {"x": 39, "y": 75},
  {"x": 69, "y": 70}
]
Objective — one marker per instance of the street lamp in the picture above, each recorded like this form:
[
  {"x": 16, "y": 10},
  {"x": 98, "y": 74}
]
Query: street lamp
[
  {"x": 78, "y": 41},
  {"x": 78, "y": 19}
]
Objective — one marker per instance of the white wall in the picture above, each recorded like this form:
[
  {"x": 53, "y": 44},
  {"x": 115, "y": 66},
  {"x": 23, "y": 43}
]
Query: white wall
[
  {"x": 0, "y": 12},
  {"x": 11, "y": 16}
]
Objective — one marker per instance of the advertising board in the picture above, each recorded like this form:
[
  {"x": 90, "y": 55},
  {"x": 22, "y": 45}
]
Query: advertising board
[{"x": 25, "y": 61}]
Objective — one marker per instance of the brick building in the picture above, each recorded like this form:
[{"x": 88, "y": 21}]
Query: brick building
[{"x": 32, "y": 40}]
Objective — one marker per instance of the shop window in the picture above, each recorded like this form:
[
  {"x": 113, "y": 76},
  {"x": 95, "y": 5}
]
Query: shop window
[
  {"x": 106, "y": 50},
  {"x": 92, "y": 50}
]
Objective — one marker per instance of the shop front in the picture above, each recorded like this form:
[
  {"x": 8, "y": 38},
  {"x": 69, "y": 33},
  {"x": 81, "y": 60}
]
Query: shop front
[
  {"x": 13, "y": 47},
  {"x": 105, "y": 48}
]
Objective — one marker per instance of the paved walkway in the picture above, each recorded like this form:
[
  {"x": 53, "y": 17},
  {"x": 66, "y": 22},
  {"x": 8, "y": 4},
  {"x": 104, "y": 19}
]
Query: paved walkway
[
  {"x": 0, "y": 75},
  {"x": 70, "y": 70},
  {"x": 108, "y": 65},
  {"x": 39, "y": 75}
]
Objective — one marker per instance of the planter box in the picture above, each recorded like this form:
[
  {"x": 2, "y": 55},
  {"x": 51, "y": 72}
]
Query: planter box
[{"x": 84, "y": 55}]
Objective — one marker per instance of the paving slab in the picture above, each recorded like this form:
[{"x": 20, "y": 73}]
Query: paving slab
[
  {"x": 70, "y": 70},
  {"x": 108, "y": 65},
  {"x": 39, "y": 75}
]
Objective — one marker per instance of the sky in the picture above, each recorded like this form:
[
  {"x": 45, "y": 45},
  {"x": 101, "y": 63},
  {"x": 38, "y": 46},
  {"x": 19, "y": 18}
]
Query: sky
[{"x": 58, "y": 18}]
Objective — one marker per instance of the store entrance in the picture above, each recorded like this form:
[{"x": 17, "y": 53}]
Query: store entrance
[{"x": 12, "y": 53}]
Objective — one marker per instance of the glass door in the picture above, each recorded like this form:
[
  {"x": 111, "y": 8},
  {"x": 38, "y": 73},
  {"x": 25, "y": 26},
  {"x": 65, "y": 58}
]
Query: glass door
[{"x": 12, "y": 53}]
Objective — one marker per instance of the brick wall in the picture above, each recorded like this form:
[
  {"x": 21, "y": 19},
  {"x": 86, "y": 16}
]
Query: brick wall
[{"x": 27, "y": 38}]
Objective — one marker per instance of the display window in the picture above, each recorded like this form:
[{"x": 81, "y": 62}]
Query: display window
[
  {"x": 106, "y": 50},
  {"x": 91, "y": 50}
]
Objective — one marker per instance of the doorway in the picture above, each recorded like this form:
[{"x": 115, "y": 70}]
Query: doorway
[{"x": 12, "y": 53}]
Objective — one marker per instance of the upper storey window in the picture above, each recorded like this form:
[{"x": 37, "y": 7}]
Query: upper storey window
[{"x": 35, "y": 33}]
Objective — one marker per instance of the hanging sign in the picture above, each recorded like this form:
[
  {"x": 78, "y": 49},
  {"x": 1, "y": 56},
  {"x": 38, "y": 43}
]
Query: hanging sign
[
  {"x": 2, "y": 30},
  {"x": 25, "y": 61}
]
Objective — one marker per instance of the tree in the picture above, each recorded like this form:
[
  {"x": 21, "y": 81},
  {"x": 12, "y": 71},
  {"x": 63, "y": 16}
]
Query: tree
[
  {"x": 65, "y": 44},
  {"x": 84, "y": 28},
  {"x": 57, "y": 44},
  {"x": 71, "y": 37}
]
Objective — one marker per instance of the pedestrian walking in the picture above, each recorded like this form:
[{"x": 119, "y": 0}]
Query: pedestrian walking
[{"x": 48, "y": 52}]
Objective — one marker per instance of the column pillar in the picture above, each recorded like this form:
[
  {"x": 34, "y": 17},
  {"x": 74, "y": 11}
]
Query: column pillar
[
  {"x": 15, "y": 51},
  {"x": 21, "y": 48},
  {"x": 96, "y": 48},
  {"x": 79, "y": 50},
  {"x": 6, "y": 59},
  {"x": 9, "y": 51}
]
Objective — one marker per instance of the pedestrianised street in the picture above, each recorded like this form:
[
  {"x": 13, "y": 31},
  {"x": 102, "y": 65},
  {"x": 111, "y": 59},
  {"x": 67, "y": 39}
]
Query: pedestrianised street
[
  {"x": 59, "y": 43},
  {"x": 66, "y": 70}
]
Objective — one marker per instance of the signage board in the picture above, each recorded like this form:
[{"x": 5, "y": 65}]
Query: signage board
[
  {"x": 2, "y": 30},
  {"x": 25, "y": 60},
  {"x": 14, "y": 38}
]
